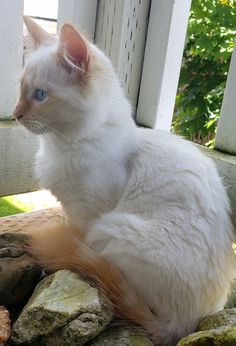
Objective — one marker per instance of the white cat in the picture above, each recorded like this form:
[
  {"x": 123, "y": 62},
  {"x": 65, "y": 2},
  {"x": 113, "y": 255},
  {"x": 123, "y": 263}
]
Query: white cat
[{"x": 147, "y": 201}]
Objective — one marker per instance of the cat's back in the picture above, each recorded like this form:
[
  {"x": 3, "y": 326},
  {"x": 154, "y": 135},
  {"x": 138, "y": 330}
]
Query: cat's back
[
  {"x": 169, "y": 150},
  {"x": 172, "y": 180},
  {"x": 165, "y": 157}
]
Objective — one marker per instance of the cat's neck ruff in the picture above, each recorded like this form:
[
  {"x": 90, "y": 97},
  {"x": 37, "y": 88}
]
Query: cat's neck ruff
[{"x": 93, "y": 144}]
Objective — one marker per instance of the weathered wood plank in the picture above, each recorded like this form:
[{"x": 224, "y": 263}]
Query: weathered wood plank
[
  {"x": 28, "y": 222},
  {"x": 121, "y": 33}
]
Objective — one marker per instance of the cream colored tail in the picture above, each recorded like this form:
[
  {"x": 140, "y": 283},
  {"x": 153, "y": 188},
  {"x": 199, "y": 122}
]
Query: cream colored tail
[{"x": 58, "y": 248}]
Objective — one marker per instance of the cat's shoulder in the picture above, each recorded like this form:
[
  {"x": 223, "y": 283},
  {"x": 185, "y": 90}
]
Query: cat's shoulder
[
  {"x": 168, "y": 142},
  {"x": 169, "y": 149}
]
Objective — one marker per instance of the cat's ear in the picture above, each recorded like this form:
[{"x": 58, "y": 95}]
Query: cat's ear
[
  {"x": 39, "y": 36},
  {"x": 73, "y": 47}
]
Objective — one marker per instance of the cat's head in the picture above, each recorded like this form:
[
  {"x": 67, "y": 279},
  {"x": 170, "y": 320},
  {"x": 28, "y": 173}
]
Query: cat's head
[{"x": 67, "y": 83}]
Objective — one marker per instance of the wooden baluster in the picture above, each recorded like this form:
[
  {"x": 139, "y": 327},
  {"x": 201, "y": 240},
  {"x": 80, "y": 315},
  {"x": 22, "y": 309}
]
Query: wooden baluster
[
  {"x": 11, "y": 39},
  {"x": 226, "y": 129}
]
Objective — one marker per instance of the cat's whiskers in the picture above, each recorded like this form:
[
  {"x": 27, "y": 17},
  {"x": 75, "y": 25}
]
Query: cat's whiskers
[
  {"x": 63, "y": 141},
  {"x": 34, "y": 121},
  {"x": 55, "y": 131},
  {"x": 61, "y": 135}
]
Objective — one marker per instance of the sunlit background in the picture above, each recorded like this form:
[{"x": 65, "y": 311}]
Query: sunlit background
[{"x": 43, "y": 8}]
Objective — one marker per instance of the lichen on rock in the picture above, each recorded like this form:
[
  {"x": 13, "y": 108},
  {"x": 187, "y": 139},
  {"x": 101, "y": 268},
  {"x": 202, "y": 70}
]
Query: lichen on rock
[
  {"x": 220, "y": 319},
  {"x": 63, "y": 310},
  {"x": 217, "y": 329},
  {"x": 231, "y": 303},
  {"x": 223, "y": 336},
  {"x": 122, "y": 336}
]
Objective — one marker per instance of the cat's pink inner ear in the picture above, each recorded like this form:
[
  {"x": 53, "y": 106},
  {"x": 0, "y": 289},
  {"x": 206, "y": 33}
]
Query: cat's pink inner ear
[
  {"x": 38, "y": 35},
  {"x": 75, "y": 46}
]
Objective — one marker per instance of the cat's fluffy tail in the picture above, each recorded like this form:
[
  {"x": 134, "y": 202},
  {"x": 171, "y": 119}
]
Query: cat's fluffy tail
[{"x": 58, "y": 248}]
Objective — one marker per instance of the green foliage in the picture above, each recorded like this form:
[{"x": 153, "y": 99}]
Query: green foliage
[{"x": 209, "y": 45}]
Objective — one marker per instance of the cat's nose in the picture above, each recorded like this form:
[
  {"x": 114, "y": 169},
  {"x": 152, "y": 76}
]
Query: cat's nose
[{"x": 19, "y": 111}]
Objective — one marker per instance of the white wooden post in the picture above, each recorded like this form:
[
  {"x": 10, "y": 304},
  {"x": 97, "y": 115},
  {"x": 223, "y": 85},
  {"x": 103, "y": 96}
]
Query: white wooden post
[
  {"x": 163, "y": 55},
  {"x": 11, "y": 39},
  {"x": 121, "y": 30},
  {"x": 226, "y": 129},
  {"x": 82, "y": 13}
]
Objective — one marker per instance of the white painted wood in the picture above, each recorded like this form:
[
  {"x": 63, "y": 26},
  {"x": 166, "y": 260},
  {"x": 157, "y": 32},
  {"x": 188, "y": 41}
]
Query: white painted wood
[
  {"x": 82, "y": 13},
  {"x": 17, "y": 151},
  {"x": 163, "y": 56},
  {"x": 226, "y": 129},
  {"x": 121, "y": 32},
  {"x": 11, "y": 39}
]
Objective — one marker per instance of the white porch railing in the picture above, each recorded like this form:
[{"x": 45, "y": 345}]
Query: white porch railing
[
  {"x": 11, "y": 38},
  {"x": 145, "y": 40},
  {"x": 226, "y": 130}
]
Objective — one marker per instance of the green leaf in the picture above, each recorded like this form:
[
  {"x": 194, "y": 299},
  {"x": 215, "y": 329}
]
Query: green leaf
[{"x": 208, "y": 49}]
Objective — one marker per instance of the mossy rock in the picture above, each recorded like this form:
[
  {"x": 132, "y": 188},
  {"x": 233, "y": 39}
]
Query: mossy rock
[
  {"x": 222, "y": 318},
  {"x": 218, "y": 329},
  {"x": 231, "y": 303},
  {"x": 223, "y": 336},
  {"x": 117, "y": 336},
  {"x": 63, "y": 310}
]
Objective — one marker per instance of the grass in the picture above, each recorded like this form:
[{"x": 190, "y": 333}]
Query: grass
[
  {"x": 7, "y": 208},
  {"x": 27, "y": 202}
]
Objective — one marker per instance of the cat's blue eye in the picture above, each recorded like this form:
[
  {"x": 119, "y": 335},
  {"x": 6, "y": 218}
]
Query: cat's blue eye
[{"x": 40, "y": 94}]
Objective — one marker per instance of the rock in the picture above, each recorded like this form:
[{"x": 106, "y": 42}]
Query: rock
[
  {"x": 218, "y": 329},
  {"x": 4, "y": 325},
  {"x": 63, "y": 310},
  {"x": 223, "y": 336},
  {"x": 19, "y": 273},
  {"x": 222, "y": 318},
  {"x": 117, "y": 336}
]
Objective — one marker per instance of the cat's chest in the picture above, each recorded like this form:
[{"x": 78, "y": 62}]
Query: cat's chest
[{"x": 84, "y": 192}]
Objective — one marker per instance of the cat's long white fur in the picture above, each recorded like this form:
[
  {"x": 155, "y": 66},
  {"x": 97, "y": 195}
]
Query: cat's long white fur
[{"x": 148, "y": 201}]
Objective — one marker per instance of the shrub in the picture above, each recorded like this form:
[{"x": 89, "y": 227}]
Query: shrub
[{"x": 209, "y": 45}]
